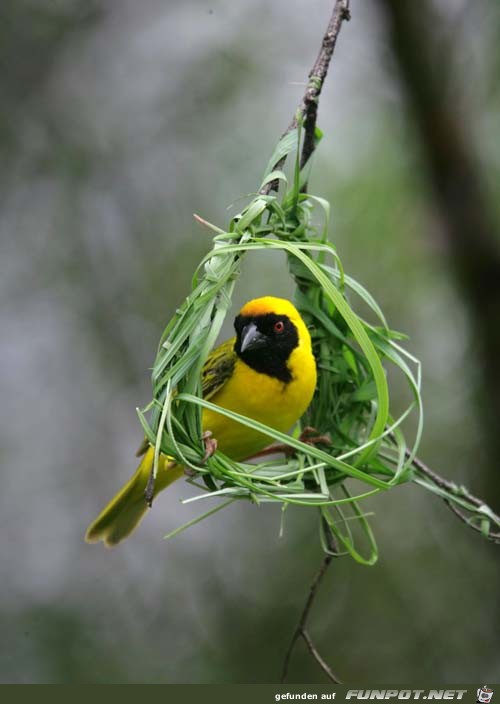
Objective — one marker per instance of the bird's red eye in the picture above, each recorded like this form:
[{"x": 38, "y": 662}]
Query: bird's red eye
[{"x": 279, "y": 326}]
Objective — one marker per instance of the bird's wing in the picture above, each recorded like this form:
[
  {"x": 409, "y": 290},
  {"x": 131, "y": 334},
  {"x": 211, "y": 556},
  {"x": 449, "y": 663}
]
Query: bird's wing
[
  {"x": 216, "y": 371},
  {"x": 218, "y": 368}
]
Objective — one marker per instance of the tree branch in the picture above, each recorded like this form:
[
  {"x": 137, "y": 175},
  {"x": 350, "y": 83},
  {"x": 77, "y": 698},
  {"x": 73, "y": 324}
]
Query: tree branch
[
  {"x": 462, "y": 492},
  {"x": 308, "y": 107},
  {"x": 324, "y": 666},
  {"x": 300, "y": 630}
]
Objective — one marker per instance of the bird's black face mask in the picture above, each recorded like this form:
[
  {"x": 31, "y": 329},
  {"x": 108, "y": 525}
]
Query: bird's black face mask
[{"x": 265, "y": 343}]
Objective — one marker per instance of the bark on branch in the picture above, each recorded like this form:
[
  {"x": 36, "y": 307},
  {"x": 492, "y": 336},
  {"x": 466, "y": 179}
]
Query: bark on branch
[{"x": 308, "y": 107}]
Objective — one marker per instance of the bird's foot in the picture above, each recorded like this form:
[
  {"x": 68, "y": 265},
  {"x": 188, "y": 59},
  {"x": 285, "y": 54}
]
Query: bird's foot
[
  {"x": 210, "y": 444},
  {"x": 280, "y": 449},
  {"x": 309, "y": 436}
]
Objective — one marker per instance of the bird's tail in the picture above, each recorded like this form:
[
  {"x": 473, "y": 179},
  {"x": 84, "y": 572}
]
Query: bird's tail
[{"x": 124, "y": 513}]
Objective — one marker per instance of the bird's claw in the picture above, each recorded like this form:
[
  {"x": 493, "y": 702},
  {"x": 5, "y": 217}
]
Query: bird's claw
[
  {"x": 210, "y": 444},
  {"x": 311, "y": 436}
]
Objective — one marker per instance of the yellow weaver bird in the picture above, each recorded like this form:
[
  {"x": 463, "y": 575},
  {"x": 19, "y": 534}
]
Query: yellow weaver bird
[{"x": 267, "y": 372}]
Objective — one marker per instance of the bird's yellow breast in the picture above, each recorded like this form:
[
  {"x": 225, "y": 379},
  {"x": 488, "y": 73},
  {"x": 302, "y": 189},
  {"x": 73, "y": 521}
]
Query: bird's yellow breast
[{"x": 263, "y": 398}]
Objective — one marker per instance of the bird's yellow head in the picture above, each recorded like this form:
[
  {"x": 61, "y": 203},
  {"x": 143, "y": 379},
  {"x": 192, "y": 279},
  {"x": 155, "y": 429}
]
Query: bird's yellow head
[{"x": 269, "y": 332}]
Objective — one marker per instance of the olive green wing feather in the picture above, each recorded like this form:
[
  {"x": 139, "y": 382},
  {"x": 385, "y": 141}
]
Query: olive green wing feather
[
  {"x": 218, "y": 368},
  {"x": 216, "y": 371}
]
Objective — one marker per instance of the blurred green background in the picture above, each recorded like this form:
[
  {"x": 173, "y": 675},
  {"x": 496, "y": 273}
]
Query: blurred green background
[{"x": 117, "y": 122}]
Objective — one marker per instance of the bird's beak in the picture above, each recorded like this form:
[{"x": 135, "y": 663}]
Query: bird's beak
[{"x": 251, "y": 338}]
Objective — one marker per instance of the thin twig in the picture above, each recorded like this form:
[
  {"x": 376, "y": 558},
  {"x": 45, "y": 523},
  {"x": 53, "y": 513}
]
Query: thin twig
[
  {"x": 324, "y": 666},
  {"x": 462, "y": 492},
  {"x": 308, "y": 107},
  {"x": 300, "y": 630}
]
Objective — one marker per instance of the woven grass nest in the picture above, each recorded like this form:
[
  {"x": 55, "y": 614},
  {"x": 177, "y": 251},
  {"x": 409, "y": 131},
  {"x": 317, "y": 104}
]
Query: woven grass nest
[{"x": 352, "y": 403}]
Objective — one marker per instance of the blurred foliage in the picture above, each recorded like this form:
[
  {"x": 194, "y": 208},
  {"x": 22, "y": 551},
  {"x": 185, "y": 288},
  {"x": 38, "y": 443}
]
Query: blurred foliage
[
  {"x": 119, "y": 121},
  {"x": 32, "y": 36}
]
